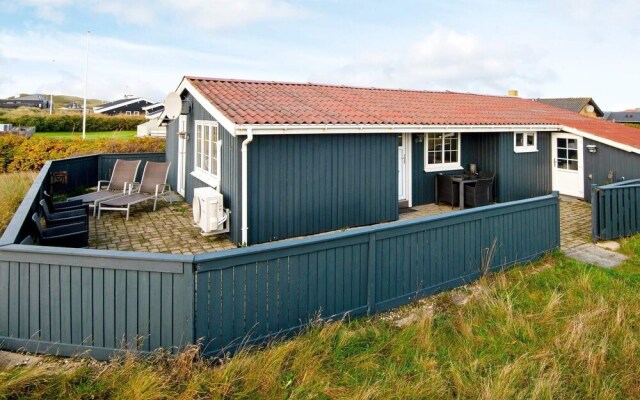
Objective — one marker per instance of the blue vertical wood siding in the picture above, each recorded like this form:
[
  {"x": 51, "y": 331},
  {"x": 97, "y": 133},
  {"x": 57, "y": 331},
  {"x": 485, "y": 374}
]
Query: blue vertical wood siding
[
  {"x": 247, "y": 295},
  {"x": 231, "y": 167},
  {"x": 518, "y": 175},
  {"x": 523, "y": 175},
  {"x": 623, "y": 165},
  {"x": 93, "y": 301},
  {"x": 306, "y": 184},
  {"x": 616, "y": 210}
]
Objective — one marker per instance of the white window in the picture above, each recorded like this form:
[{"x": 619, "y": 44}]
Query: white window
[
  {"x": 525, "y": 142},
  {"x": 136, "y": 113},
  {"x": 207, "y": 150},
  {"x": 441, "y": 151},
  {"x": 128, "y": 112}
]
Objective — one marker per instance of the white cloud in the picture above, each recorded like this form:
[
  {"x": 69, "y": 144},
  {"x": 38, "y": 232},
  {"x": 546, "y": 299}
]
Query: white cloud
[
  {"x": 446, "y": 60},
  {"x": 206, "y": 15},
  {"x": 50, "y": 10}
]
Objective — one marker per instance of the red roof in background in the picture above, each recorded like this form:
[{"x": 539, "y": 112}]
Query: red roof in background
[{"x": 262, "y": 102}]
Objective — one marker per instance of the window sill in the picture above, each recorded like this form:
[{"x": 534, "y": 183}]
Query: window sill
[
  {"x": 525, "y": 150},
  {"x": 207, "y": 178},
  {"x": 442, "y": 167}
]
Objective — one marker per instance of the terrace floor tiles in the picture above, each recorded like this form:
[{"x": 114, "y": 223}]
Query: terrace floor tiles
[{"x": 169, "y": 229}]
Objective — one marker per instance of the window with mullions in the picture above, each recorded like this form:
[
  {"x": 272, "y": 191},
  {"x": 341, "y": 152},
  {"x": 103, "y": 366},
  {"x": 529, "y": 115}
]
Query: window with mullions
[
  {"x": 206, "y": 147},
  {"x": 525, "y": 142},
  {"x": 442, "y": 151}
]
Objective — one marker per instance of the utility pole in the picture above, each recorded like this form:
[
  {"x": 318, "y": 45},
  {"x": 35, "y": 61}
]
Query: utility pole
[
  {"x": 51, "y": 101},
  {"x": 84, "y": 106}
]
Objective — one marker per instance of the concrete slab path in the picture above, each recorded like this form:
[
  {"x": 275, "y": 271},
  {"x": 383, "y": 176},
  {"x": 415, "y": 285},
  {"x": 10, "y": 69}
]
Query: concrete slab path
[{"x": 591, "y": 254}]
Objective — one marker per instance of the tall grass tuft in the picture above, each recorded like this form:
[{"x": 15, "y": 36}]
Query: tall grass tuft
[{"x": 13, "y": 188}]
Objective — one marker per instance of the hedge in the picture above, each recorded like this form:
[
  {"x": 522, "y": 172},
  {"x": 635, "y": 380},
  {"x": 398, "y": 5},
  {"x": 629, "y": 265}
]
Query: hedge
[
  {"x": 73, "y": 122},
  {"x": 20, "y": 154}
]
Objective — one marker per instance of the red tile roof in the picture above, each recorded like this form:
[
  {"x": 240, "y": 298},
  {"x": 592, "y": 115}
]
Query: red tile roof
[{"x": 262, "y": 102}]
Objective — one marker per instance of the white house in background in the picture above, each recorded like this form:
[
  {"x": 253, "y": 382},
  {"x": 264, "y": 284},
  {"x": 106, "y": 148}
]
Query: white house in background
[
  {"x": 154, "y": 126},
  {"x": 127, "y": 106}
]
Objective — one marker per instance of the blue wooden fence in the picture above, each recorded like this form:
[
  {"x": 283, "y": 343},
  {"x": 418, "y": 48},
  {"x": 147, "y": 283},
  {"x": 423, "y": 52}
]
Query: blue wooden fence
[
  {"x": 97, "y": 302},
  {"x": 615, "y": 210},
  {"x": 69, "y": 301},
  {"x": 247, "y": 295}
]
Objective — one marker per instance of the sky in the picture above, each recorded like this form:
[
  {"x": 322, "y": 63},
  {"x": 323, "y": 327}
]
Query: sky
[{"x": 542, "y": 48}]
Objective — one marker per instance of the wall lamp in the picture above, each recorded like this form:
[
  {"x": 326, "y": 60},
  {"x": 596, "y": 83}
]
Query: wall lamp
[{"x": 592, "y": 148}]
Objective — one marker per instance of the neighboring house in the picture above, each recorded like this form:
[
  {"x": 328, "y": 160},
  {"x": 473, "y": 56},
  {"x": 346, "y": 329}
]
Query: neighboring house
[
  {"x": 581, "y": 105},
  {"x": 624, "y": 117},
  {"x": 33, "y": 100},
  {"x": 127, "y": 106},
  {"x": 154, "y": 126},
  {"x": 73, "y": 106},
  {"x": 297, "y": 159}
]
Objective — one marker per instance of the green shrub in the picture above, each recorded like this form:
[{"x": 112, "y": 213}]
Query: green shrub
[
  {"x": 20, "y": 154},
  {"x": 73, "y": 122},
  {"x": 13, "y": 188}
]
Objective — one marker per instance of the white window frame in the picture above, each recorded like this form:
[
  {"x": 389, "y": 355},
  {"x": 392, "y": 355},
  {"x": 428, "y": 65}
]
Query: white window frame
[
  {"x": 127, "y": 112},
  {"x": 441, "y": 166},
  {"x": 525, "y": 148},
  {"x": 205, "y": 172}
]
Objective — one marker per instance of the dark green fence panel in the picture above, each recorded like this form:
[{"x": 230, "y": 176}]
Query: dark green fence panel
[
  {"x": 248, "y": 295},
  {"x": 70, "y": 301},
  {"x": 615, "y": 210}
]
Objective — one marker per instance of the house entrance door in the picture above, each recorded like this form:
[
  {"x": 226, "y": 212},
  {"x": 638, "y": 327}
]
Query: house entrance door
[
  {"x": 402, "y": 161},
  {"x": 567, "y": 168},
  {"x": 182, "y": 152}
]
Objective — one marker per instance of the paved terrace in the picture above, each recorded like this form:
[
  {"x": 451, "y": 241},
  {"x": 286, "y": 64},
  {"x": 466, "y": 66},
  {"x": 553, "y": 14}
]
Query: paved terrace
[{"x": 170, "y": 230}]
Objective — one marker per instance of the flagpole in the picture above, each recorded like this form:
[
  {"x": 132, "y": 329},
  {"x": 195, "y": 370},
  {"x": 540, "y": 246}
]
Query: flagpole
[{"x": 84, "y": 107}]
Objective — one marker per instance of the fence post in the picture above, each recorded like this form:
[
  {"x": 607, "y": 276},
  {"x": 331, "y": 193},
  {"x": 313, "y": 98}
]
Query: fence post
[
  {"x": 594, "y": 213},
  {"x": 371, "y": 275}
]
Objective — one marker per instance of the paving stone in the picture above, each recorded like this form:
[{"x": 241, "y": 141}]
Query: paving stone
[{"x": 592, "y": 254}]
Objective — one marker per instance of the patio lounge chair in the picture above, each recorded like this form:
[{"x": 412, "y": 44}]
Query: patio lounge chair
[
  {"x": 152, "y": 186},
  {"x": 124, "y": 173},
  {"x": 72, "y": 235},
  {"x": 54, "y": 219},
  {"x": 62, "y": 205}
]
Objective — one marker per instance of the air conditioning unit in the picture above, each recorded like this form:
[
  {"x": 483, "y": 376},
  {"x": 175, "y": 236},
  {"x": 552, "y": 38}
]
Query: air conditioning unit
[{"x": 208, "y": 210}]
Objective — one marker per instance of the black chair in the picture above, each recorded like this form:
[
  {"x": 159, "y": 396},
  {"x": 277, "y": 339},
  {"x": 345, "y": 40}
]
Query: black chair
[
  {"x": 62, "y": 205},
  {"x": 486, "y": 175},
  {"x": 53, "y": 219},
  {"x": 478, "y": 194},
  {"x": 72, "y": 235},
  {"x": 447, "y": 191}
]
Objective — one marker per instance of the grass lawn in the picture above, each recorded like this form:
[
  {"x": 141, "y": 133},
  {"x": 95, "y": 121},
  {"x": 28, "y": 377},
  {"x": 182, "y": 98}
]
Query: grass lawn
[
  {"x": 553, "y": 329},
  {"x": 89, "y": 135}
]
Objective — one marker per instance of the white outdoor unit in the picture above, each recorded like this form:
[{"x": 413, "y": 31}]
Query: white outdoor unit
[{"x": 208, "y": 210}]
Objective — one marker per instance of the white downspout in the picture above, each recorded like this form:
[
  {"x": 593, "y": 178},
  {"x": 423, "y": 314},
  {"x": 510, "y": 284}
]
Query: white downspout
[{"x": 245, "y": 187}]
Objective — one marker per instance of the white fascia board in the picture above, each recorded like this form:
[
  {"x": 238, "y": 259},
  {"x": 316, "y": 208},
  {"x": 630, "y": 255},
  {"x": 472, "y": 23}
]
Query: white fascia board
[
  {"x": 100, "y": 109},
  {"x": 362, "y": 128},
  {"x": 602, "y": 140},
  {"x": 150, "y": 106},
  {"x": 229, "y": 125}
]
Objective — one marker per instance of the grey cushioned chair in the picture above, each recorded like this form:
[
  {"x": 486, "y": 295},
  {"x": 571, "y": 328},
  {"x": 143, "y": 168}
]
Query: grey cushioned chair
[
  {"x": 124, "y": 173},
  {"x": 153, "y": 185}
]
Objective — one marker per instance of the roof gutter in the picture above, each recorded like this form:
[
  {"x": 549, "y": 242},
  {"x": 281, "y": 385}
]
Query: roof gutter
[
  {"x": 245, "y": 187},
  {"x": 310, "y": 129}
]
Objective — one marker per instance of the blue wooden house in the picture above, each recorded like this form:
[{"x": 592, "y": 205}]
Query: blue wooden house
[{"x": 296, "y": 159}]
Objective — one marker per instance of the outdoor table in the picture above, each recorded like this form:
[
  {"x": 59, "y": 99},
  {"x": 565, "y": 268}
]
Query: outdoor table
[{"x": 463, "y": 179}]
